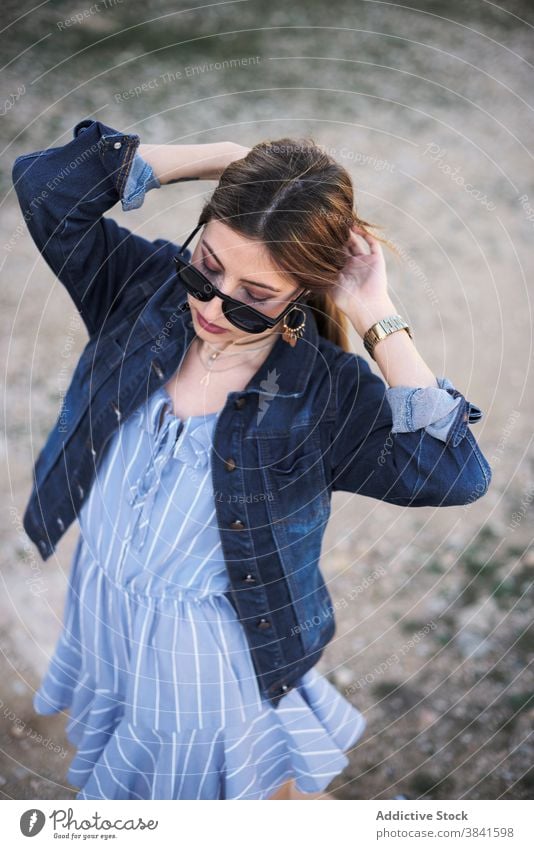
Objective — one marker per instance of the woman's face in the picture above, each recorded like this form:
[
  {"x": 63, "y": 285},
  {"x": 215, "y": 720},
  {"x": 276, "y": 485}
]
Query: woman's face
[{"x": 241, "y": 268}]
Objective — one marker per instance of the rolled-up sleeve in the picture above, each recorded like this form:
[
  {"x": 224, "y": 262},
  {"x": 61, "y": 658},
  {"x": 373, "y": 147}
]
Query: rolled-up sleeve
[
  {"x": 405, "y": 445},
  {"x": 141, "y": 180},
  {"x": 431, "y": 407}
]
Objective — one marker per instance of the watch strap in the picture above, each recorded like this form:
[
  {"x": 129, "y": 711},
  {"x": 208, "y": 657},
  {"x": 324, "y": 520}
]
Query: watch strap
[{"x": 383, "y": 328}]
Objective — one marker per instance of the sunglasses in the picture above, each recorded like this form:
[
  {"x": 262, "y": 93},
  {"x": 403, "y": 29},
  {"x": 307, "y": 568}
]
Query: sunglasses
[{"x": 239, "y": 314}]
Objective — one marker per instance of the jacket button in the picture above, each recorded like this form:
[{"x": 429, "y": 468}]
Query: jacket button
[
  {"x": 80, "y": 490},
  {"x": 43, "y": 546},
  {"x": 263, "y": 624},
  {"x": 249, "y": 579},
  {"x": 61, "y": 526},
  {"x": 117, "y": 145},
  {"x": 93, "y": 452},
  {"x": 230, "y": 464},
  {"x": 279, "y": 691},
  {"x": 117, "y": 411},
  {"x": 237, "y": 525},
  {"x": 240, "y": 402}
]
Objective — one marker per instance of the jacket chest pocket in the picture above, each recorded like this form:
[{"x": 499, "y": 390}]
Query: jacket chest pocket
[{"x": 297, "y": 494}]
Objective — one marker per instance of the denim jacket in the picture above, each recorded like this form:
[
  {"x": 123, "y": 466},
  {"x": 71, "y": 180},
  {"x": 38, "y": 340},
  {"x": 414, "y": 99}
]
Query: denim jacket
[{"x": 314, "y": 419}]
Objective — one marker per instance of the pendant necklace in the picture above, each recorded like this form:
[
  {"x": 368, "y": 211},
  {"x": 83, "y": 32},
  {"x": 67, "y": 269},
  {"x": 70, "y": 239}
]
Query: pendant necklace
[{"x": 216, "y": 353}]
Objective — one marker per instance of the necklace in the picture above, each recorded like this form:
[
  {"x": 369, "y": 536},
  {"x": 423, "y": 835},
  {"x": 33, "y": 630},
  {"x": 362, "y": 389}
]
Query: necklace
[{"x": 216, "y": 354}]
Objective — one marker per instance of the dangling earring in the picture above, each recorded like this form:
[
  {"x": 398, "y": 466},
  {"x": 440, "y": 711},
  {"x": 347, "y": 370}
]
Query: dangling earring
[{"x": 292, "y": 334}]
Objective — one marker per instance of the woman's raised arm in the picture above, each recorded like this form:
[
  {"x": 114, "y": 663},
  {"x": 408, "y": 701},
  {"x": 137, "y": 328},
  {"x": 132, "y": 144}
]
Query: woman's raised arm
[
  {"x": 64, "y": 192},
  {"x": 175, "y": 163}
]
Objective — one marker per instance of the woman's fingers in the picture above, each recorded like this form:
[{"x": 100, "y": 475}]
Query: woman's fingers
[
  {"x": 373, "y": 243},
  {"x": 357, "y": 244}
]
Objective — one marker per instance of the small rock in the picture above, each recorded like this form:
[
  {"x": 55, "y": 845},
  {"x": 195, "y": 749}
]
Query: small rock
[
  {"x": 425, "y": 746},
  {"x": 20, "y": 772},
  {"x": 343, "y": 676},
  {"x": 472, "y": 645},
  {"x": 475, "y": 622},
  {"x": 426, "y": 717}
]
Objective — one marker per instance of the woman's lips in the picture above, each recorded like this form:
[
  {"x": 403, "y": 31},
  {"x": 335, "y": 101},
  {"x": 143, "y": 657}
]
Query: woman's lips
[{"x": 211, "y": 328}]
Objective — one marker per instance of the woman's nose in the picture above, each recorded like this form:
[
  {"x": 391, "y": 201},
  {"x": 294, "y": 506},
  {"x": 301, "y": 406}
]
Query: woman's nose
[{"x": 212, "y": 310}]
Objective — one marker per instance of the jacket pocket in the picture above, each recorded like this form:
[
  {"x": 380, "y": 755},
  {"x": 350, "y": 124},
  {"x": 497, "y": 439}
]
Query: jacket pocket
[{"x": 298, "y": 495}]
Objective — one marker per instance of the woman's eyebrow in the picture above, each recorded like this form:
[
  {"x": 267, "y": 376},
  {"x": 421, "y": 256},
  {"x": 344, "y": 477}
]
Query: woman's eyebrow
[{"x": 243, "y": 279}]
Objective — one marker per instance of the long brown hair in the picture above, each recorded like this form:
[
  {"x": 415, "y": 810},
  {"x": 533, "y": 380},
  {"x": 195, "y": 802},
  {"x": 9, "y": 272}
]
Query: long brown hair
[{"x": 297, "y": 200}]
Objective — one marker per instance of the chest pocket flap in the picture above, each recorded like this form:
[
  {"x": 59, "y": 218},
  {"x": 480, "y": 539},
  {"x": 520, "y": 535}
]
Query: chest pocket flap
[{"x": 294, "y": 477}]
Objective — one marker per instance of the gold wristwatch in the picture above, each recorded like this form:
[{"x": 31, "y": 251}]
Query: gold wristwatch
[{"x": 382, "y": 329}]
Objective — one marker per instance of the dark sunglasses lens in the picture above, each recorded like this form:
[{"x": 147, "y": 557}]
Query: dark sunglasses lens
[
  {"x": 200, "y": 287},
  {"x": 195, "y": 283},
  {"x": 242, "y": 317}
]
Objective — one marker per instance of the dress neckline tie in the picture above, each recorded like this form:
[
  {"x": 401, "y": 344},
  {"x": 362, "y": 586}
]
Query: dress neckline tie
[{"x": 187, "y": 440}]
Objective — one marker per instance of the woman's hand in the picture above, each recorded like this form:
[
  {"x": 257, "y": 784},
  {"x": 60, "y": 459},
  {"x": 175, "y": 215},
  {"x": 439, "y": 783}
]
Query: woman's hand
[{"x": 362, "y": 290}]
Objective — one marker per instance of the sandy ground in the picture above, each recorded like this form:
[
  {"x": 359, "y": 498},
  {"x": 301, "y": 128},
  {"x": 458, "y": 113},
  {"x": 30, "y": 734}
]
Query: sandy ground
[{"x": 431, "y": 111}]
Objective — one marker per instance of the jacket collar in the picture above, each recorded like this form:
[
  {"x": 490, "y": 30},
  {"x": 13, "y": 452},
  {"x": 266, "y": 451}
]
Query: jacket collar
[{"x": 286, "y": 369}]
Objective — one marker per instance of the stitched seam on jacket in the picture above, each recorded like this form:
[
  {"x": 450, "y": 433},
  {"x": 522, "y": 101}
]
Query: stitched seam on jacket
[{"x": 476, "y": 451}]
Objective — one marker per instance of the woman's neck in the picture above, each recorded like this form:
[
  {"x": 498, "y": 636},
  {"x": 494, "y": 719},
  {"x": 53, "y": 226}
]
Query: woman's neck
[{"x": 246, "y": 347}]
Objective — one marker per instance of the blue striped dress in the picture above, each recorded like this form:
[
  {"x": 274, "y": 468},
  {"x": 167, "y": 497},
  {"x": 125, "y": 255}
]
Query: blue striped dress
[{"x": 153, "y": 662}]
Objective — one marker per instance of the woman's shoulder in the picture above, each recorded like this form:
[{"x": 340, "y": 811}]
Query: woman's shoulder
[{"x": 337, "y": 358}]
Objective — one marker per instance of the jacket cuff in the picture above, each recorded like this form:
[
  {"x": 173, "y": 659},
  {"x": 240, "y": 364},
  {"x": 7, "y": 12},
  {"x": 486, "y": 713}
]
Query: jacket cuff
[
  {"x": 140, "y": 180},
  {"x": 434, "y": 408},
  {"x": 117, "y": 151}
]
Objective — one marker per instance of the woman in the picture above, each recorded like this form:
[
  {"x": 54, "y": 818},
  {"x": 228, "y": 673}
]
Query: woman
[{"x": 196, "y": 609}]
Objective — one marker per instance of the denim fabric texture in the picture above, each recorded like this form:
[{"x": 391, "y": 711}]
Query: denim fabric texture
[
  {"x": 140, "y": 180},
  {"x": 314, "y": 419},
  {"x": 430, "y": 407}
]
